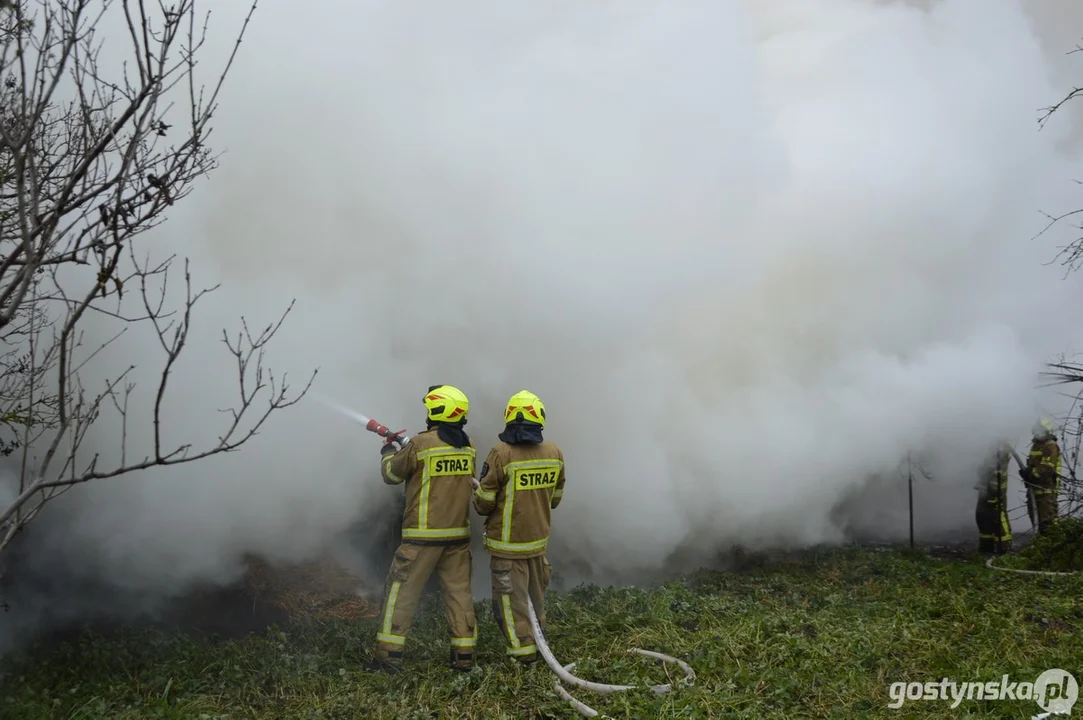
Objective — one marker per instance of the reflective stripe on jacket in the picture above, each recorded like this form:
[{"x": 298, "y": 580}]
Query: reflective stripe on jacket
[
  {"x": 994, "y": 474},
  {"x": 1044, "y": 464},
  {"x": 520, "y": 485},
  {"x": 439, "y": 483}
]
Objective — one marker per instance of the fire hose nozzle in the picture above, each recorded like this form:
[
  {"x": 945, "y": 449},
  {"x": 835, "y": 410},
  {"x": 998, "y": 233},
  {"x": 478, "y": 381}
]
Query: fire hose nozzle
[{"x": 386, "y": 433}]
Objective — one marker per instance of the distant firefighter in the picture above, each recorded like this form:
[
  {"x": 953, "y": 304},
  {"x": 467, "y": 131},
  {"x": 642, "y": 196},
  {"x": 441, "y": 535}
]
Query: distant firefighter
[
  {"x": 1042, "y": 476},
  {"x": 994, "y": 530}
]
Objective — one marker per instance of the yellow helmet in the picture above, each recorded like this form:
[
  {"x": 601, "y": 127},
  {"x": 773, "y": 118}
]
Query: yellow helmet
[
  {"x": 444, "y": 403},
  {"x": 525, "y": 405},
  {"x": 1043, "y": 429}
]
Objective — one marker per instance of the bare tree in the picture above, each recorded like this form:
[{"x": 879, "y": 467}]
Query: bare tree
[
  {"x": 1071, "y": 255},
  {"x": 94, "y": 153},
  {"x": 1065, "y": 371}
]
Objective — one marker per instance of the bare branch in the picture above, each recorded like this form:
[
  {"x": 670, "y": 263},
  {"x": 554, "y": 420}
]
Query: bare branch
[
  {"x": 1070, "y": 256},
  {"x": 90, "y": 161}
]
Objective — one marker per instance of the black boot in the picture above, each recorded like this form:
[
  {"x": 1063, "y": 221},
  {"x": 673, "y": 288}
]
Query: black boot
[
  {"x": 384, "y": 666},
  {"x": 461, "y": 661},
  {"x": 392, "y": 664}
]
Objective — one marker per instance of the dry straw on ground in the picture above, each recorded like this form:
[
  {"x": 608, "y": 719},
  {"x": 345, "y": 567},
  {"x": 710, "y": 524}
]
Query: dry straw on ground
[{"x": 315, "y": 590}]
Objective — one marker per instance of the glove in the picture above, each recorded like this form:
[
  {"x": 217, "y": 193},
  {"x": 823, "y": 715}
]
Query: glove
[
  {"x": 1025, "y": 475},
  {"x": 387, "y": 448}
]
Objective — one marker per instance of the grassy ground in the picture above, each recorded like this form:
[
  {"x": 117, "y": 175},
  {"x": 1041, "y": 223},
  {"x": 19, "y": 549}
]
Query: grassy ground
[
  {"x": 1059, "y": 549},
  {"x": 819, "y": 635}
]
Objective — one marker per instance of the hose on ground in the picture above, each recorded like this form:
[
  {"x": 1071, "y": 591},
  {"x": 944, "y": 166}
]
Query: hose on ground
[
  {"x": 580, "y": 707},
  {"x": 563, "y": 672},
  {"x": 989, "y": 564}
]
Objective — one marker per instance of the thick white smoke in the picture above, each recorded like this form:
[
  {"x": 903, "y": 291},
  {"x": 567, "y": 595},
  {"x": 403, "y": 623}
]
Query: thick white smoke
[{"x": 750, "y": 254}]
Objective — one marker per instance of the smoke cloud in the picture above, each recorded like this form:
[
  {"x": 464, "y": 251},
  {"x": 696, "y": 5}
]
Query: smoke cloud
[{"x": 752, "y": 255}]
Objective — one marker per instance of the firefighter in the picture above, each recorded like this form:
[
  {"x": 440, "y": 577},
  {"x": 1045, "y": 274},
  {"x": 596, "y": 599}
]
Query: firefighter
[
  {"x": 994, "y": 530},
  {"x": 521, "y": 480},
  {"x": 1042, "y": 476},
  {"x": 437, "y": 467}
]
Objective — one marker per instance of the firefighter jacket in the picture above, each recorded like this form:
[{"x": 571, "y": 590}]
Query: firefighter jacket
[
  {"x": 1044, "y": 465},
  {"x": 519, "y": 485},
  {"x": 439, "y": 481},
  {"x": 993, "y": 486}
]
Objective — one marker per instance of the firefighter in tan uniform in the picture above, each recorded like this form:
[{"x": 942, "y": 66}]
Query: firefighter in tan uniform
[
  {"x": 1042, "y": 476},
  {"x": 437, "y": 468},
  {"x": 521, "y": 481},
  {"x": 994, "y": 530}
]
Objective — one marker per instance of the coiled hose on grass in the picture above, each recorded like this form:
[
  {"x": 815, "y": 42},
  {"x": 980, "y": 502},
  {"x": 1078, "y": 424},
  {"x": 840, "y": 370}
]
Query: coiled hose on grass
[{"x": 563, "y": 672}]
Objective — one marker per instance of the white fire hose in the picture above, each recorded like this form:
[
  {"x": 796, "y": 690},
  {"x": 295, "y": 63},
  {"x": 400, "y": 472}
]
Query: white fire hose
[
  {"x": 989, "y": 564},
  {"x": 564, "y": 671}
]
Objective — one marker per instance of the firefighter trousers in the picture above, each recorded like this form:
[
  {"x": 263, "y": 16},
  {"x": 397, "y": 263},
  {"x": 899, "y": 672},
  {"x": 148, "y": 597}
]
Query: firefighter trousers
[
  {"x": 994, "y": 530},
  {"x": 513, "y": 582},
  {"x": 1042, "y": 503},
  {"x": 410, "y": 570}
]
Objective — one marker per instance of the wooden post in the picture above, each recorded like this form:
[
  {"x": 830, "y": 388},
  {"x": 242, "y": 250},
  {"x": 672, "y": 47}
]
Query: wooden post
[{"x": 910, "y": 489}]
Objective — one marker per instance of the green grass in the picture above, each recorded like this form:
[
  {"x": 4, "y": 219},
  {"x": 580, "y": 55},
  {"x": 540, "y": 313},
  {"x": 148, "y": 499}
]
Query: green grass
[
  {"x": 1059, "y": 549},
  {"x": 821, "y": 634}
]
